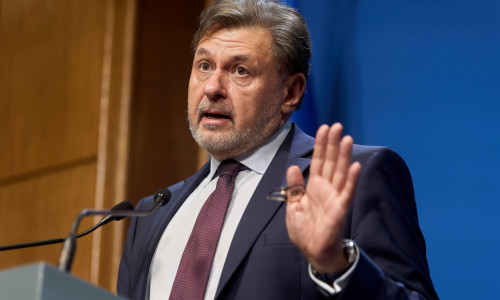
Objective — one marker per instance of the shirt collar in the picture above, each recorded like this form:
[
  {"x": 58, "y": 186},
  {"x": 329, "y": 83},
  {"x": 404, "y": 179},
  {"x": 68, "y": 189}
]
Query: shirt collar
[{"x": 259, "y": 158}]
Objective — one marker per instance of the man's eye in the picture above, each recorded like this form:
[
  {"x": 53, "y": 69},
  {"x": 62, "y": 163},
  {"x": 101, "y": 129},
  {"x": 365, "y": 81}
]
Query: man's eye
[
  {"x": 205, "y": 66},
  {"x": 240, "y": 71}
]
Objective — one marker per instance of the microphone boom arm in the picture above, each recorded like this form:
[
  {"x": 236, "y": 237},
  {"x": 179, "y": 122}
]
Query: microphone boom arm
[{"x": 68, "y": 250}]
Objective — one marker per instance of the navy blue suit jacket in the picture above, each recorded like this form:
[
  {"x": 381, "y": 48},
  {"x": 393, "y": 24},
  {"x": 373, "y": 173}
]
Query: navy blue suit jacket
[{"x": 262, "y": 263}]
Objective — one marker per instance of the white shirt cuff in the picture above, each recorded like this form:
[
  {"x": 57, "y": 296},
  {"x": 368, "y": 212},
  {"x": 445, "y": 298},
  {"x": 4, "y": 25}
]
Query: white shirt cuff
[{"x": 339, "y": 283}]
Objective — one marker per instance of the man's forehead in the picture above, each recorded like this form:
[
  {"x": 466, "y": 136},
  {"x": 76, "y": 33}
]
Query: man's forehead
[{"x": 201, "y": 51}]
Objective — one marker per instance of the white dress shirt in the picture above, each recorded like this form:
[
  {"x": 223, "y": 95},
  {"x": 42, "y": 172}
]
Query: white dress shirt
[{"x": 175, "y": 237}]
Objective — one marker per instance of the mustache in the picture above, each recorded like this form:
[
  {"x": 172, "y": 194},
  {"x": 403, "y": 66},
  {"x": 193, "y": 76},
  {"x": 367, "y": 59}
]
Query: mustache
[{"x": 220, "y": 108}]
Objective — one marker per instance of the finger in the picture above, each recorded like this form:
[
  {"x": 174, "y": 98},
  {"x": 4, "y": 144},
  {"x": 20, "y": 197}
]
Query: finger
[
  {"x": 294, "y": 176},
  {"x": 332, "y": 151},
  {"x": 352, "y": 179},
  {"x": 319, "y": 151},
  {"x": 343, "y": 163}
]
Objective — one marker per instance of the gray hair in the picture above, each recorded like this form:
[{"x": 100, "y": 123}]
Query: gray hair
[{"x": 291, "y": 45}]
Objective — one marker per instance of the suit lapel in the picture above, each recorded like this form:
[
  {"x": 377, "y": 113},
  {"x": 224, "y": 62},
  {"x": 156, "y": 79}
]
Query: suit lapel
[{"x": 260, "y": 210}]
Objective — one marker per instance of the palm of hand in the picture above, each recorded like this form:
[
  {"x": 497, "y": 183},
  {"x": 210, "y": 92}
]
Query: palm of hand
[{"x": 314, "y": 221}]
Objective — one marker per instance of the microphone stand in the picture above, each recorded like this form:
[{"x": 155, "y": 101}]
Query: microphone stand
[
  {"x": 125, "y": 205},
  {"x": 68, "y": 249}
]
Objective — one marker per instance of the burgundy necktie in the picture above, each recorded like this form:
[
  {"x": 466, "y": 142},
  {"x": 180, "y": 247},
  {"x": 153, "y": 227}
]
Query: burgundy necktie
[{"x": 196, "y": 262}]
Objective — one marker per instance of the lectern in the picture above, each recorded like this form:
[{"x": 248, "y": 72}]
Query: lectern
[{"x": 40, "y": 281}]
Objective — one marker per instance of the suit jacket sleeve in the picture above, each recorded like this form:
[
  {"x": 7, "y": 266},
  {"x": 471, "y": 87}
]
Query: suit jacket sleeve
[{"x": 383, "y": 222}]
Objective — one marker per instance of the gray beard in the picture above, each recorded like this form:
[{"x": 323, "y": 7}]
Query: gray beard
[{"x": 239, "y": 141}]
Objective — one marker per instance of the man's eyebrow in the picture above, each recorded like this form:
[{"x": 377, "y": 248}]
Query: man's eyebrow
[
  {"x": 241, "y": 58},
  {"x": 201, "y": 51}
]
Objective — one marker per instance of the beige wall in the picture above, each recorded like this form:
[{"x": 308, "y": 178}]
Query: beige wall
[{"x": 92, "y": 112}]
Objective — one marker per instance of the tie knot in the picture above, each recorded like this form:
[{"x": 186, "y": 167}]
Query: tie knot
[{"x": 228, "y": 167}]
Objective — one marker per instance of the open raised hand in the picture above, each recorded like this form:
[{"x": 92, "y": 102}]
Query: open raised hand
[{"x": 314, "y": 220}]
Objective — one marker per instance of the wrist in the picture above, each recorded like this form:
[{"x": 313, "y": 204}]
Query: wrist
[{"x": 349, "y": 254}]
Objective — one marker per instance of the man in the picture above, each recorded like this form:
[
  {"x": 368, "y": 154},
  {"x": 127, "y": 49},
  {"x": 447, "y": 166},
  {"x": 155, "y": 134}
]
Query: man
[{"x": 349, "y": 234}]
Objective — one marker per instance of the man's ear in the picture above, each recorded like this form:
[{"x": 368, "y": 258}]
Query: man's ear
[{"x": 294, "y": 87}]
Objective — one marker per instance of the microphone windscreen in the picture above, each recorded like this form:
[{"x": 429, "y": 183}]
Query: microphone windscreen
[
  {"x": 162, "y": 196},
  {"x": 124, "y": 205}
]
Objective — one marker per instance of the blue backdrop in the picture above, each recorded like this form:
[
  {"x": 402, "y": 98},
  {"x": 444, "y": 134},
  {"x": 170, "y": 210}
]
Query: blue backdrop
[{"x": 423, "y": 78}]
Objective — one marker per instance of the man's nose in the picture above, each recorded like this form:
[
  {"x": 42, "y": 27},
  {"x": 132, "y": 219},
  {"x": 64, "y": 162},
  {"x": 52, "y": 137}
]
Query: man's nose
[{"x": 215, "y": 86}]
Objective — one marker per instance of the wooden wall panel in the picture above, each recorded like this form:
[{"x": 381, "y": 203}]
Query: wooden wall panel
[
  {"x": 162, "y": 150},
  {"x": 114, "y": 138},
  {"x": 51, "y": 87},
  {"x": 44, "y": 208},
  {"x": 50, "y": 75}
]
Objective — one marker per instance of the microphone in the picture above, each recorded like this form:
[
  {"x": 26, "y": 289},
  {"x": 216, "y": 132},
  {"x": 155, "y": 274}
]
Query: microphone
[
  {"x": 124, "y": 205},
  {"x": 68, "y": 251}
]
